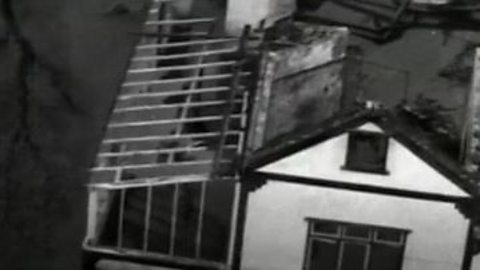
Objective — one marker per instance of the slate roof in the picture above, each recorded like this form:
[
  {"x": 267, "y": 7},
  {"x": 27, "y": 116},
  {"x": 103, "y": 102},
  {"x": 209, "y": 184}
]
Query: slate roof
[{"x": 397, "y": 123}]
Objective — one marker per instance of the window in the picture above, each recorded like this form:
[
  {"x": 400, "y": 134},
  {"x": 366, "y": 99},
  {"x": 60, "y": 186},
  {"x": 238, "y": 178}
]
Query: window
[
  {"x": 335, "y": 245},
  {"x": 366, "y": 152}
]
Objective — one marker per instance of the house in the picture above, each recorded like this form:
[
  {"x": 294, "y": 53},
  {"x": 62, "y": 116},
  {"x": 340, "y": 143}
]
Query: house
[
  {"x": 229, "y": 152},
  {"x": 368, "y": 189},
  {"x": 165, "y": 186}
]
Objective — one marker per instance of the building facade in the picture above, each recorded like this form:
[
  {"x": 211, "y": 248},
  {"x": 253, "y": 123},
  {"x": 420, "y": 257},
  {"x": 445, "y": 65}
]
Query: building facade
[{"x": 357, "y": 195}]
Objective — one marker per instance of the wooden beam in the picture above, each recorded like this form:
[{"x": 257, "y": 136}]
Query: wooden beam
[
  {"x": 198, "y": 237},
  {"x": 156, "y": 165},
  {"x": 186, "y": 43},
  {"x": 157, "y": 151},
  {"x": 172, "y": 106},
  {"x": 173, "y": 228},
  {"x": 153, "y": 182},
  {"x": 120, "y": 219},
  {"x": 151, "y": 258},
  {"x": 182, "y": 80},
  {"x": 178, "y": 22},
  {"x": 170, "y": 121},
  {"x": 181, "y": 67},
  {"x": 166, "y": 137},
  {"x": 148, "y": 212},
  {"x": 184, "y": 55},
  {"x": 174, "y": 93}
]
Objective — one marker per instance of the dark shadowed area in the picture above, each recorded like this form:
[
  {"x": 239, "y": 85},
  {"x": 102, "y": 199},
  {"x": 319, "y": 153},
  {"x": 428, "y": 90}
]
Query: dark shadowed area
[{"x": 79, "y": 57}]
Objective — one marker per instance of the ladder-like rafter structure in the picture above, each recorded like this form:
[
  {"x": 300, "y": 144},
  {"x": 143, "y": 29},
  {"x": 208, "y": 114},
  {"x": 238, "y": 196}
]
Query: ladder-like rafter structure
[
  {"x": 169, "y": 115},
  {"x": 179, "y": 118}
]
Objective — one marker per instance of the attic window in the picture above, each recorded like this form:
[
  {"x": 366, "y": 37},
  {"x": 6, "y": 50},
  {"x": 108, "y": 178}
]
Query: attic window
[{"x": 366, "y": 152}]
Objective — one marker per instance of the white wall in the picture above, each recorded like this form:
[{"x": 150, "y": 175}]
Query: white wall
[
  {"x": 476, "y": 262},
  {"x": 406, "y": 170},
  {"x": 252, "y": 12},
  {"x": 275, "y": 231}
]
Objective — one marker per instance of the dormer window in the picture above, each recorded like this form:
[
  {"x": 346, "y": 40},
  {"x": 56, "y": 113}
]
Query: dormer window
[{"x": 366, "y": 152}]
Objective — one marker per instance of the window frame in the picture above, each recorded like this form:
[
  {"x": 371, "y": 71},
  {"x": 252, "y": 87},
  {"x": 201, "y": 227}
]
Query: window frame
[
  {"x": 342, "y": 239},
  {"x": 351, "y": 166}
]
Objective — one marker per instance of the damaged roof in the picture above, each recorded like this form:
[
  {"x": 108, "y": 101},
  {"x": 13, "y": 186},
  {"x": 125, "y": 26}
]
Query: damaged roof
[{"x": 397, "y": 123}]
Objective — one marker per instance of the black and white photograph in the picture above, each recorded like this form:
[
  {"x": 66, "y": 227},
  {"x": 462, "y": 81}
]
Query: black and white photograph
[{"x": 239, "y": 134}]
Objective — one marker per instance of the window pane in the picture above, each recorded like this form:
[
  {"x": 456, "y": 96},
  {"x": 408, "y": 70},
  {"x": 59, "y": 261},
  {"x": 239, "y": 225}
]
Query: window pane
[
  {"x": 357, "y": 231},
  {"x": 366, "y": 151},
  {"x": 389, "y": 235},
  {"x": 187, "y": 219},
  {"x": 323, "y": 255},
  {"x": 161, "y": 219},
  {"x": 325, "y": 227},
  {"x": 134, "y": 218},
  {"x": 108, "y": 234},
  {"x": 385, "y": 257},
  {"x": 216, "y": 220},
  {"x": 354, "y": 256}
]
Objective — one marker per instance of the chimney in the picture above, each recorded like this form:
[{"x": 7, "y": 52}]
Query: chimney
[{"x": 471, "y": 132}]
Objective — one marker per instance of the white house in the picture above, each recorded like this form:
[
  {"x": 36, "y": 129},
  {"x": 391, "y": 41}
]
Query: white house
[{"x": 367, "y": 190}]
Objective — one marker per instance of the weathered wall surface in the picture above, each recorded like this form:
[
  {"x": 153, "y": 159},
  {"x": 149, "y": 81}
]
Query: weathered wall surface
[
  {"x": 302, "y": 85},
  {"x": 304, "y": 99}
]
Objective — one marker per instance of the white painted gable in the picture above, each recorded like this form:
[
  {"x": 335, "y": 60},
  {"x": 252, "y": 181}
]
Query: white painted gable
[{"x": 406, "y": 170}]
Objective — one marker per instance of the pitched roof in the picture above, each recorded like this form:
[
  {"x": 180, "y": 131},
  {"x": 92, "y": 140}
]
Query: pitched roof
[{"x": 395, "y": 122}]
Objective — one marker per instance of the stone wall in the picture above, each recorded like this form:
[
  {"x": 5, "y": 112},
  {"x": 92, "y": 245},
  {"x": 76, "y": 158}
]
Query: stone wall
[{"x": 300, "y": 86}]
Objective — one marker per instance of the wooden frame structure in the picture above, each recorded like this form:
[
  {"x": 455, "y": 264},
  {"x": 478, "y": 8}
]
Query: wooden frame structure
[{"x": 178, "y": 121}]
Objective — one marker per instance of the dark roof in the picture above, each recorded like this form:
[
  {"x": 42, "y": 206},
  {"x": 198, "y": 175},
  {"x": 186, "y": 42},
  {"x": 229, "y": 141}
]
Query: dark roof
[{"x": 396, "y": 123}]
